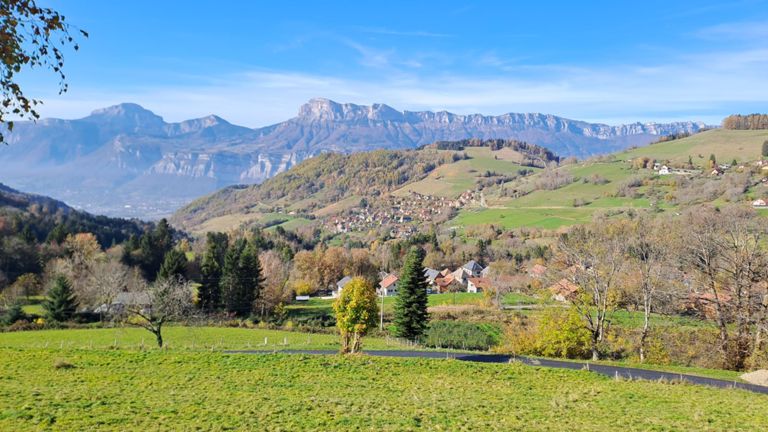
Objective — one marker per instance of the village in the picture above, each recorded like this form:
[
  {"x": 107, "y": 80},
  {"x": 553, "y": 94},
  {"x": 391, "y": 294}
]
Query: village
[{"x": 398, "y": 213}]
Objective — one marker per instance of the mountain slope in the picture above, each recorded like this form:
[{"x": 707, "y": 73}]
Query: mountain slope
[
  {"x": 125, "y": 160},
  {"x": 483, "y": 183}
]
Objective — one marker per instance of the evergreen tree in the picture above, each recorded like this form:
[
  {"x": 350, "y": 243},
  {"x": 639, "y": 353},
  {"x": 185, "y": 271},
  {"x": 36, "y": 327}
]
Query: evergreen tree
[
  {"x": 482, "y": 252},
  {"x": 61, "y": 304},
  {"x": 241, "y": 279},
  {"x": 209, "y": 293},
  {"x": 765, "y": 148},
  {"x": 13, "y": 314},
  {"x": 411, "y": 315},
  {"x": 174, "y": 265},
  {"x": 153, "y": 247}
]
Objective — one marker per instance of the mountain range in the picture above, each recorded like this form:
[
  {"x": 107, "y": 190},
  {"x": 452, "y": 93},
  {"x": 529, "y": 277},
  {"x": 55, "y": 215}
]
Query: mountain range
[{"x": 127, "y": 161}]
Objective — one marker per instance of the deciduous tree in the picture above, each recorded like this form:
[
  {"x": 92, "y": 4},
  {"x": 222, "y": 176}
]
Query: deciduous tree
[{"x": 356, "y": 311}]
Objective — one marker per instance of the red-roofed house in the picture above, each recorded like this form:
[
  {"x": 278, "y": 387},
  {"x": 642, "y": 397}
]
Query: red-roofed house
[{"x": 388, "y": 285}]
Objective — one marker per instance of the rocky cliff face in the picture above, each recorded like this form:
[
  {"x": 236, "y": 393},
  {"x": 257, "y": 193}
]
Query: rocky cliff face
[{"x": 125, "y": 160}]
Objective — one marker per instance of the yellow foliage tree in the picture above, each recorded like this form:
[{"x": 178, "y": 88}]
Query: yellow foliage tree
[{"x": 356, "y": 310}]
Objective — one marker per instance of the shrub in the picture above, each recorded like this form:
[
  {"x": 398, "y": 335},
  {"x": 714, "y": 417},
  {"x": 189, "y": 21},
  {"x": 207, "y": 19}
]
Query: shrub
[
  {"x": 13, "y": 314},
  {"x": 461, "y": 335},
  {"x": 562, "y": 334}
]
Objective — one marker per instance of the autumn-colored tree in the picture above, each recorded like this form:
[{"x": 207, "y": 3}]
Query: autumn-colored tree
[
  {"x": 594, "y": 257},
  {"x": 356, "y": 311}
]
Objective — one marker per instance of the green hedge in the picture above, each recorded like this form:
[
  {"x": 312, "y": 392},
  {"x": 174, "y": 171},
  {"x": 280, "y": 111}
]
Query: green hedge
[{"x": 461, "y": 335}]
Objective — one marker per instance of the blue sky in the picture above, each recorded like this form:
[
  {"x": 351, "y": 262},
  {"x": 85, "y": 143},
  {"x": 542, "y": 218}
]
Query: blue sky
[{"x": 254, "y": 63}]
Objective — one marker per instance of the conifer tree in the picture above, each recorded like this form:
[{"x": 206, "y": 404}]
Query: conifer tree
[
  {"x": 174, "y": 265},
  {"x": 411, "y": 315},
  {"x": 241, "y": 279},
  {"x": 61, "y": 304},
  {"x": 765, "y": 148}
]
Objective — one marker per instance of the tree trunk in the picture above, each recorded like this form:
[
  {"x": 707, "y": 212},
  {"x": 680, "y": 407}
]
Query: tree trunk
[
  {"x": 595, "y": 351},
  {"x": 356, "y": 343},
  {"x": 646, "y": 326},
  {"x": 344, "y": 342},
  {"x": 159, "y": 336}
]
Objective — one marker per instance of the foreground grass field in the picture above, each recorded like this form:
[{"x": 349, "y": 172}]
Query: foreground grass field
[{"x": 74, "y": 389}]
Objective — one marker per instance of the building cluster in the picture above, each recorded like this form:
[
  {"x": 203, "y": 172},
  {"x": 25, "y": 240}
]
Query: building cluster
[
  {"x": 398, "y": 213},
  {"x": 471, "y": 277}
]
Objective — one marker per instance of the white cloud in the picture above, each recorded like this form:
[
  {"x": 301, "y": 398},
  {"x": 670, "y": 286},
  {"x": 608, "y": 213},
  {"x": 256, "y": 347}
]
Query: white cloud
[{"x": 697, "y": 86}]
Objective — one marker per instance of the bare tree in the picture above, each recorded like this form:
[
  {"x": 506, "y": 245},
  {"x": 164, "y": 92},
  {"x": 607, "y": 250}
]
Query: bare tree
[
  {"x": 164, "y": 300},
  {"x": 594, "y": 257},
  {"x": 648, "y": 253},
  {"x": 744, "y": 263},
  {"x": 106, "y": 279}
]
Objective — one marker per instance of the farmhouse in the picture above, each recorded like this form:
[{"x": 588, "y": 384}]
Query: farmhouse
[
  {"x": 563, "y": 290},
  {"x": 388, "y": 286},
  {"x": 473, "y": 268},
  {"x": 759, "y": 203},
  {"x": 340, "y": 285},
  {"x": 478, "y": 284},
  {"x": 664, "y": 170}
]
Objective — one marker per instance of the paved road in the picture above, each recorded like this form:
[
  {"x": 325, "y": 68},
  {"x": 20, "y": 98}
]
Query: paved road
[{"x": 611, "y": 371}]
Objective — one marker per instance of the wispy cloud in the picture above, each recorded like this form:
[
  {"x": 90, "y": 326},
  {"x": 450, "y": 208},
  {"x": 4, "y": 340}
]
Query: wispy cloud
[
  {"x": 403, "y": 33},
  {"x": 756, "y": 31},
  {"x": 703, "y": 86}
]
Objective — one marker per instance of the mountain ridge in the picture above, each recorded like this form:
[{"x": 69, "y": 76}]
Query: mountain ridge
[{"x": 125, "y": 160}]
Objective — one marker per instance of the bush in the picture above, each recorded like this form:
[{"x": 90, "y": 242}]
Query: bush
[
  {"x": 557, "y": 333},
  {"x": 461, "y": 335},
  {"x": 13, "y": 314}
]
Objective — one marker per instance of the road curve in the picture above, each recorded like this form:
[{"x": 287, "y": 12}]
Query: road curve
[{"x": 611, "y": 371}]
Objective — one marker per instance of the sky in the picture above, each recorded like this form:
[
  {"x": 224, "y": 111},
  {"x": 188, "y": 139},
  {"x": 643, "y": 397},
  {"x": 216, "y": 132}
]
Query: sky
[{"x": 255, "y": 62}]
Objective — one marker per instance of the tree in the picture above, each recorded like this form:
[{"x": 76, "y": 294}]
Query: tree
[
  {"x": 274, "y": 291},
  {"x": 356, "y": 311},
  {"x": 153, "y": 247},
  {"x": 33, "y": 37},
  {"x": 594, "y": 257},
  {"x": 61, "y": 304},
  {"x": 765, "y": 148},
  {"x": 158, "y": 303},
  {"x": 26, "y": 285},
  {"x": 648, "y": 253},
  {"x": 411, "y": 316},
  {"x": 174, "y": 265},
  {"x": 242, "y": 279},
  {"x": 13, "y": 314},
  {"x": 209, "y": 293}
]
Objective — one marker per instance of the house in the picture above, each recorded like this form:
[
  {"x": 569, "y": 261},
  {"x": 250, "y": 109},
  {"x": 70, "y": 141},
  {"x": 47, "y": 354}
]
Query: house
[
  {"x": 563, "y": 290},
  {"x": 759, "y": 203},
  {"x": 486, "y": 272},
  {"x": 340, "y": 285},
  {"x": 443, "y": 283},
  {"x": 664, "y": 170},
  {"x": 460, "y": 275},
  {"x": 537, "y": 271},
  {"x": 478, "y": 284},
  {"x": 388, "y": 286},
  {"x": 473, "y": 268},
  {"x": 126, "y": 300},
  {"x": 716, "y": 172},
  {"x": 431, "y": 274}
]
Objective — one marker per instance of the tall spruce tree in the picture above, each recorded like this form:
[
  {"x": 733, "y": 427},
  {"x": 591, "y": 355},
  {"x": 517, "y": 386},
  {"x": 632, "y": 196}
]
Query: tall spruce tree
[
  {"x": 174, "y": 265},
  {"x": 61, "y": 304},
  {"x": 241, "y": 279},
  {"x": 765, "y": 148},
  {"x": 411, "y": 317},
  {"x": 211, "y": 270}
]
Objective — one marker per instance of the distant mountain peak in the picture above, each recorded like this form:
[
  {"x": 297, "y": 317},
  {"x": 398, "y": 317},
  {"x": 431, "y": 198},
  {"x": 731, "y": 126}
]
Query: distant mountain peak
[
  {"x": 326, "y": 109},
  {"x": 122, "y": 109}
]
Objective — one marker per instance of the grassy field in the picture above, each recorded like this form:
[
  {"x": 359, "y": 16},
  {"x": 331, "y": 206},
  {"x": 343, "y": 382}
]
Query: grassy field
[
  {"x": 80, "y": 389},
  {"x": 724, "y": 144}
]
